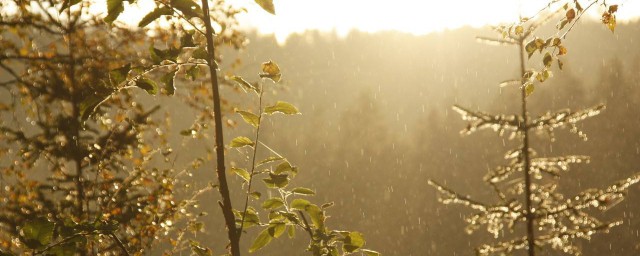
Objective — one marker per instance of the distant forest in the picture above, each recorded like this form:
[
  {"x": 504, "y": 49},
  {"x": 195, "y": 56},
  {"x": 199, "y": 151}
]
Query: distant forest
[{"x": 377, "y": 116}]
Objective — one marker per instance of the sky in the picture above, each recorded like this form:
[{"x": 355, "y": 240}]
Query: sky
[{"x": 412, "y": 16}]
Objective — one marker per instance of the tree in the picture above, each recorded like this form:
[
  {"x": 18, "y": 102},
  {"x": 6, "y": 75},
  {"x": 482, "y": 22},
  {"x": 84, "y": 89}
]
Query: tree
[
  {"x": 194, "y": 53},
  {"x": 549, "y": 217},
  {"x": 86, "y": 173}
]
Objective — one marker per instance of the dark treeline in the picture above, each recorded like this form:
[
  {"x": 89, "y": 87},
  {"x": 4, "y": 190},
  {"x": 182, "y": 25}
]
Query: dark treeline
[{"x": 377, "y": 118}]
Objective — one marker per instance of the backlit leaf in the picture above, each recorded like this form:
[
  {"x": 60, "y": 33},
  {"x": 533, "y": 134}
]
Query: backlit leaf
[
  {"x": 303, "y": 191},
  {"x": 299, "y": 204},
  {"x": 271, "y": 70},
  {"x": 37, "y": 232},
  {"x": 242, "y": 173},
  {"x": 272, "y": 203},
  {"x": 241, "y": 141},
  {"x": 148, "y": 85},
  {"x": 168, "y": 81},
  {"x": 282, "y": 107},
  {"x": 267, "y": 5},
  {"x": 154, "y": 15},
  {"x": 114, "y": 8},
  {"x": 263, "y": 239},
  {"x": 249, "y": 117}
]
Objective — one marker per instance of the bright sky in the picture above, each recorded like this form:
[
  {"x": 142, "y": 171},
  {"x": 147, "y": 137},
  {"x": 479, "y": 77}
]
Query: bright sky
[{"x": 412, "y": 16}]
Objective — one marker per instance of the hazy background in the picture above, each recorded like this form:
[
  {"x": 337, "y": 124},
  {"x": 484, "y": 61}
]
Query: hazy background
[{"x": 377, "y": 124}]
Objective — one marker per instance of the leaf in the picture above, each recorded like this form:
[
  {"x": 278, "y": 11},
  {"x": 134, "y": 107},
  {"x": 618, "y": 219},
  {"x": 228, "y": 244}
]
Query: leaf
[
  {"x": 271, "y": 70},
  {"x": 282, "y": 107},
  {"x": 316, "y": 214},
  {"x": 119, "y": 75},
  {"x": 200, "y": 53},
  {"x": 192, "y": 73},
  {"x": 560, "y": 64},
  {"x": 199, "y": 250},
  {"x": 299, "y": 204},
  {"x": 303, "y": 191},
  {"x": 277, "y": 180},
  {"x": 547, "y": 60},
  {"x": 353, "y": 241},
  {"x": 114, "y": 8},
  {"x": 571, "y": 14},
  {"x": 65, "y": 5},
  {"x": 256, "y": 195},
  {"x": 269, "y": 160},
  {"x": 291, "y": 231},
  {"x": 242, "y": 173},
  {"x": 370, "y": 252},
  {"x": 272, "y": 203},
  {"x": 37, "y": 232},
  {"x": 531, "y": 47},
  {"x": 249, "y": 117},
  {"x": 510, "y": 82},
  {"x": 241, "y": 141},
  {"x": 263, "y": 239},
  {"x": 519, "y": 30},
  {"x": 168, "y": 81},
  {"x": 186, "y": 40},
  {"x": 89, "y": 104},
  {"x": 285, "y": 167},
  {"x": 562, "y": 50},
  {"x": 277, "y": 229},
  {"x": 154, "y": 15},
  {"x": 244, "y": 83},
  {"x": 188, "y": 7},
  {"x": 613, "y": 8},
  {"x": 529, "y": 88},
  {"x": 267, "y": 5},
  {"x": 157, "y": 55},
  {"x": 148, "y": 85}
]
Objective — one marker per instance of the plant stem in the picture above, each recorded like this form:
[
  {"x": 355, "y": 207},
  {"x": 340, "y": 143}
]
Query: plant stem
[
  {"x": 223, "y": 188},
  {"x": 525, "y": 154},
  {"x": 253, "y": 160}
]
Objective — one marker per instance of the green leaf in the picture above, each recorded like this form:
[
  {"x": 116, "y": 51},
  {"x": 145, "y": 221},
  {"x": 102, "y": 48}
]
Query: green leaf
[
  {"x": 192, "y": 73},
  {"x": 65, "y": 5},
  {"x": 291, "y": 231},
  {"x": 271, "y": 70},
  {"x": 241, "y": 141},
  {"x": 186, "y": 40},
  {"x": 547, "y": 60},
  {"x": 148, "y": 85},
  {"x": 168, "y": 81},
  {"x": 89, "y": 104},
  {"x": 200, "y": 53},
  {"x": 37, "y": 232},
  {"x": 120, "y": 74},
  {"x": 154, "y": 15},
  {"x": 277, "y": 180},
  {"x": 249, "y": 117},
  {"x": 272, "y": 203},
  {"x": 303, "y": 191},
  {"x": 114, "y": 8},
  {"x": 282, "y": 107},
  {"x": 250, "y": 219},
  {"x": 529, "y": 88},
  {"x": 199, "y": 250},
  {"x": 277, "y": 229},
  {"x": 157, "y": 55},
  {"x": 370, "y": 252},
  {"x": 269, "y": 160},
  {"x": 256, "y": 195},
  {"x": 531, "y": 47},
  {"x": 242, "y": 173},
  {"x": 299, "y": 204},
  {"x": 188, "y": 7},
  {"x": 263, "y": 239},
  {"x": 267, "y": 5},
  {"x": 285, "y": 167},
  {"x": 316, "y": 214},
  {"x": 244, "y": 83},
  {"x": 353, "y": 241}
]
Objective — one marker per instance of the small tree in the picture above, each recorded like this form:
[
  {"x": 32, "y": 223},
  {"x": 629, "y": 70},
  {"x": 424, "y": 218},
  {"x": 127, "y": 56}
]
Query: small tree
[{"x": 550, "y": 218}]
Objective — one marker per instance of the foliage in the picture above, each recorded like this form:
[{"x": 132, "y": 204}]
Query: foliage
[
  {"x": 90, "y": 167},
  {"x": 551, "y": 219},
  {"x": 288, "y": 210}
]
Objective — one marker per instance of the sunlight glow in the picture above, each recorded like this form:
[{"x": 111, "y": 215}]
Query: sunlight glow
[{"x": 410, "y": 16}]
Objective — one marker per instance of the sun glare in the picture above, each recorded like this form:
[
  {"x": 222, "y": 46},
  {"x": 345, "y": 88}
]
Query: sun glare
[{"x": 410, "y": 16}]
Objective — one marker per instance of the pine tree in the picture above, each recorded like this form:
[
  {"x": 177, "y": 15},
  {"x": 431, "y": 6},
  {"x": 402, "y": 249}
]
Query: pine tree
[{"x": 527, "y": 186}]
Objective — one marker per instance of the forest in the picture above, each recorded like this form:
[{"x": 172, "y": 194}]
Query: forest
[{"x": 186, "y": 134}]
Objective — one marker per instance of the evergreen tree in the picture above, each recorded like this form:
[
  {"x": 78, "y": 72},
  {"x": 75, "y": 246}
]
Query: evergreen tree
[{"x": 527, "y": 186}]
